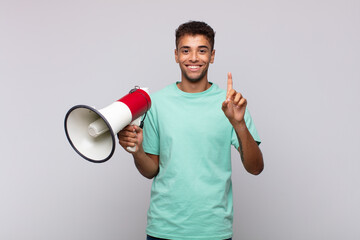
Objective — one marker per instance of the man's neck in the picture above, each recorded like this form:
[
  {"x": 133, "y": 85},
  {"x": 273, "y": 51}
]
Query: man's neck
[{"x": 193, "y": 87}]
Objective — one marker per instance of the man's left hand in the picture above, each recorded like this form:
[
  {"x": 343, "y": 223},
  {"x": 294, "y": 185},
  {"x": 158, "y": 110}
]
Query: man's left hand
[{"x": 235, "y": 104}]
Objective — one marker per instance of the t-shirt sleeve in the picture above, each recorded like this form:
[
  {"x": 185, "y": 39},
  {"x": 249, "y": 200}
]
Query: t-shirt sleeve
[
  {"x": 151, "y": 141},
  {"x": 251, "y": 127}
]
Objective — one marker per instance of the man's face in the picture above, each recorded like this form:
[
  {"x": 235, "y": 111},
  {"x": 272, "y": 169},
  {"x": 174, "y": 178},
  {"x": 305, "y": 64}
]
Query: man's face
[{"x": 194, "y": 56}]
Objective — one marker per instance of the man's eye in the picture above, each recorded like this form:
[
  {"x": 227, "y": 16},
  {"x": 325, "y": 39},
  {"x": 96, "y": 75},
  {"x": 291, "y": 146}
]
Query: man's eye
[
  {"x": 202, "y": 51},
  {"x": 185, "y": 51}
]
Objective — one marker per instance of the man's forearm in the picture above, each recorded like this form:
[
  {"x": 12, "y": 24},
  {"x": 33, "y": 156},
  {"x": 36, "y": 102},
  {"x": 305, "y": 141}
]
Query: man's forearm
[
  {"x": 250, "y": 152},
  {"x": 147, "y": 165}
]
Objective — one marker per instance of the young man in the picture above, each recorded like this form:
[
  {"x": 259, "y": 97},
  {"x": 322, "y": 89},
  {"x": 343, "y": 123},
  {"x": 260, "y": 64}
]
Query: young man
[{"x": 186, "y": 145}]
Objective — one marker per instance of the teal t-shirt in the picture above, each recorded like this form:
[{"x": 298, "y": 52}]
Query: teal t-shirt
[{"x": 191, "y": 197}]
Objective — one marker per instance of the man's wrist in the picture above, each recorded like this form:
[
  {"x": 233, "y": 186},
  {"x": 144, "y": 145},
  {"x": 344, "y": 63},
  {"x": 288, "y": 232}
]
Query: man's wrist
[
  {"x": 239, "y": 125},
  {"x": 140, "y": 151}
]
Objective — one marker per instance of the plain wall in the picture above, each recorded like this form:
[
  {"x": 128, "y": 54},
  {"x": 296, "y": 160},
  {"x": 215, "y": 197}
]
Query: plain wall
[{"x": 296, "y": 62}]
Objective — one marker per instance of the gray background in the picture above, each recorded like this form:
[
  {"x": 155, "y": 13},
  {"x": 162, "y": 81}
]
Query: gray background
[{"x": 297, "y": 63}]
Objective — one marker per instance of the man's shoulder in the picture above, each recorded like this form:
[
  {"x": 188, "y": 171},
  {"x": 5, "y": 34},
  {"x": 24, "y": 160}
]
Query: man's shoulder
[
  {"x": 217, "y": 89},
  {"x": 168, "y": 90}
]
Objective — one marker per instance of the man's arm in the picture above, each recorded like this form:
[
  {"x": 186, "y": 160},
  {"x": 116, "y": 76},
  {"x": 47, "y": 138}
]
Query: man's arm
[
  {"x": 249, "y": 150},
  {"x": 234, "y": 109},
  {"x": 147, "y": 164}
]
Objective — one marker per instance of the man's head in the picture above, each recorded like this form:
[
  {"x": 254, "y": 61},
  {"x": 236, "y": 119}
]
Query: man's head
[
  {"x": 195, "y": 28},
  {"x": 194, "y": 50}
]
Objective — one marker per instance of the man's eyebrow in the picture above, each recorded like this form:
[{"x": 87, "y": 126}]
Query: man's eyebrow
[{"x": 202, "y": 46}]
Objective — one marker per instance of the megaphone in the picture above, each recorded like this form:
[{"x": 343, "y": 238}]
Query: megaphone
[{"x": 92, "y": 132}]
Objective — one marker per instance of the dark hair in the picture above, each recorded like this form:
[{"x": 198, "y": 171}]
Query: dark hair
[{"x": 195, "y": 28}]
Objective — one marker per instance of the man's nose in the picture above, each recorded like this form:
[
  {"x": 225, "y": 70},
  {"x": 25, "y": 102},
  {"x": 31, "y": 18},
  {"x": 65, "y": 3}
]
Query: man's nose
[{"x": 194, "y": 56}]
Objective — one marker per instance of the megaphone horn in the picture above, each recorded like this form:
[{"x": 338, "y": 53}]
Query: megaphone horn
[{"x": 91, "y": 132}]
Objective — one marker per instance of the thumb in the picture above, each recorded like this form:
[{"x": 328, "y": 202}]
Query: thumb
[
  {"x": 137, "y": 129},
  {"x": 225, "y": 104}
]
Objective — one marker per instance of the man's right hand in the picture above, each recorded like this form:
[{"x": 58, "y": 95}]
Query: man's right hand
[
  {"x": 131, "y": 136},
  {"x": 147, "y": 164}
]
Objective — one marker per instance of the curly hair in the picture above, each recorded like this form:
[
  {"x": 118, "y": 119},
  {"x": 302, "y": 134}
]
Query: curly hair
[{"x": 195, "y": 28}]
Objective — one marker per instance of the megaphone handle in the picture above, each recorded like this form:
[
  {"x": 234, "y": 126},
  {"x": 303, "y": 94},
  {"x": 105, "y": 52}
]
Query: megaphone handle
[
  {"x": 131, "y": 149},
  {"x": 136, "y": 122}
]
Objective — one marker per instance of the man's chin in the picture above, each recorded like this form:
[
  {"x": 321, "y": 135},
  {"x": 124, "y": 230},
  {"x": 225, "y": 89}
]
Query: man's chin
[{"x": 194, "y": 79}]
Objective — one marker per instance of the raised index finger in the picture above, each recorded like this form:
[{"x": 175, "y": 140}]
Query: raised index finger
[{"x": 229, "y": 84}]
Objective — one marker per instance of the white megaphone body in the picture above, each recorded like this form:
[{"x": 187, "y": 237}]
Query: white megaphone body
[{"x": 92, "y": 132}]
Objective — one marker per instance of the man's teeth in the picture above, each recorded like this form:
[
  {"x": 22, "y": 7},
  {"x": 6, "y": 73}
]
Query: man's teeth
[{"x": 193, "y": 67}]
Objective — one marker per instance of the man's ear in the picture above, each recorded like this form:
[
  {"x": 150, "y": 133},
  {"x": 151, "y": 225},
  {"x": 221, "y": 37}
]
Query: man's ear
[
  {"x": 212, "y": 56},
  {"x": 176, "y": 56}
]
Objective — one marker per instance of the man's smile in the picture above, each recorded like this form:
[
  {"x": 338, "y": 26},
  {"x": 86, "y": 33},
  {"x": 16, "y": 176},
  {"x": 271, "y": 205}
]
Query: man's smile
[{"x": 193, "y": 68}]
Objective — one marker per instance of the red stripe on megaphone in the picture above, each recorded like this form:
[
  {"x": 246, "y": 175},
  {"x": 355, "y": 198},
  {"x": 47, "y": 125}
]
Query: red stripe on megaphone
[{"x": 137, "y": 101}]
